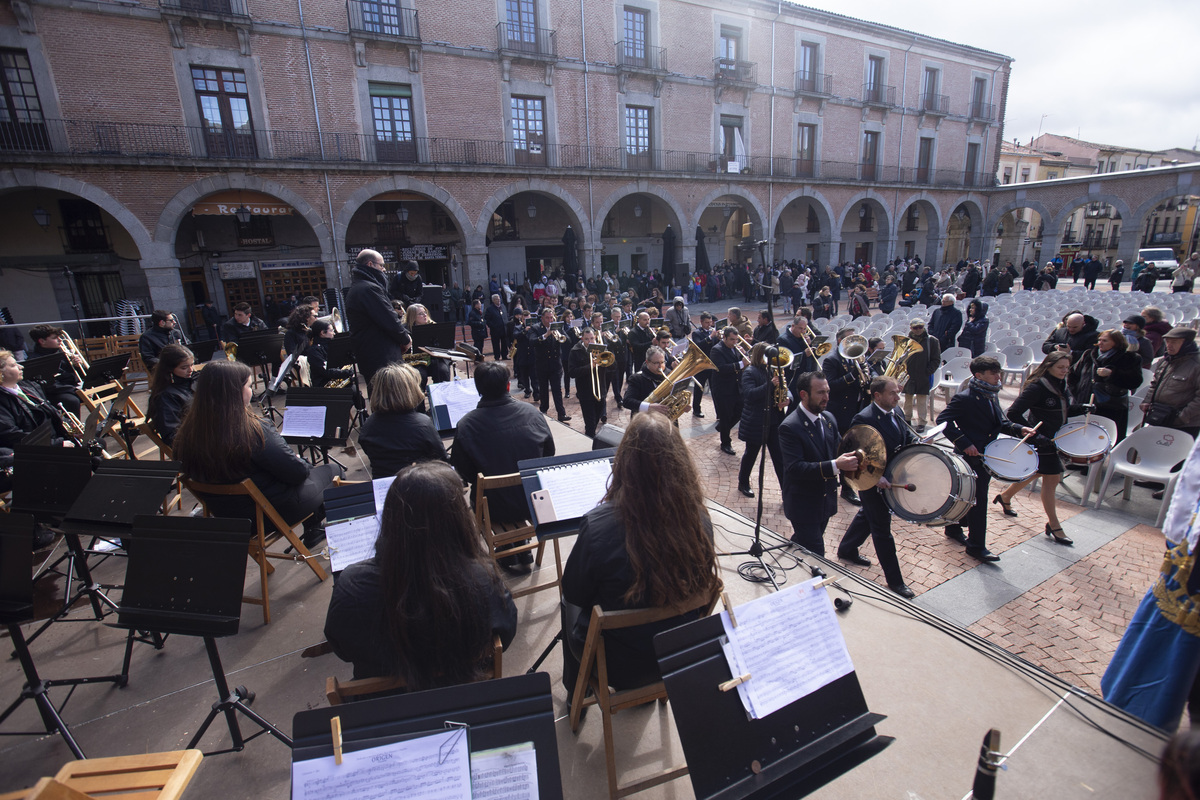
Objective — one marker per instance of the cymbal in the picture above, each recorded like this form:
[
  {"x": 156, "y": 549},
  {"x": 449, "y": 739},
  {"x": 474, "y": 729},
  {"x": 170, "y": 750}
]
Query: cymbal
[{"x": 865, "y": 442}]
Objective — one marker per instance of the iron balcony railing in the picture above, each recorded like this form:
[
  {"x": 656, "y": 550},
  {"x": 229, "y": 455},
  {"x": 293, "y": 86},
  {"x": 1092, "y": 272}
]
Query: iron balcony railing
[
  {"x": 233, "y": 9},
  {"x": 383, "y": 19},
  {"x": 734, "y": 70},
  {"x": 814, "y": 83},
  {"x": 935, "y": 103},
  {"x": 982, "y": 111},
  {"x": 876, "y": 94},
  {"x": 515, "y": 37},
  {"x": 74, "y": 138},
  {"x": 638, "y": 55}
]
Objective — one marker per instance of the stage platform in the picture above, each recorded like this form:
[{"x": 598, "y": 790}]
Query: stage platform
[{"x": 940, "y": 686}]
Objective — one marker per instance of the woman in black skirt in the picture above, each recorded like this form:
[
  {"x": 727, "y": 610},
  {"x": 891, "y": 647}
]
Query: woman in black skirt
[{"x": 1045, "y": 398}]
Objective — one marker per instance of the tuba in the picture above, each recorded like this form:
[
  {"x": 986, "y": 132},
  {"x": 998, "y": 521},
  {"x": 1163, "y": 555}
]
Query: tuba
[
  {"x": 693, "y": 363},
  {"x": 903, "y": 349}
]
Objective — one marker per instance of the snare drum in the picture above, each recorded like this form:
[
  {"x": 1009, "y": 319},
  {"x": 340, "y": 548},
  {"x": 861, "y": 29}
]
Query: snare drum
[
  {"x": 944, "y": 481},
  {"x": 1010, "y": 460},
  {"x": 1083, "y": 442}
]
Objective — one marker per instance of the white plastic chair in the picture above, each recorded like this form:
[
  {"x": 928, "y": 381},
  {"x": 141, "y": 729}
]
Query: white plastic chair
[
  {"x": 959, "y": 370},
  {"x": 1136, "y": 415},
  {"x": 1016, "y": 360},
  {"x": 952, "y": 353},
  {"x": 1157, "y": 451}
]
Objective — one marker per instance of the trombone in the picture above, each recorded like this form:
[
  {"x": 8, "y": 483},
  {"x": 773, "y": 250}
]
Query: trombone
[
  {"x": 822, "y": 348},
  {"x": 599, "y": 358},
  {"x": 74, "y": 356}
]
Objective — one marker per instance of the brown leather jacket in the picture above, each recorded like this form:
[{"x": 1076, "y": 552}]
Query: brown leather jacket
[{"x": 1177, "y": 382}]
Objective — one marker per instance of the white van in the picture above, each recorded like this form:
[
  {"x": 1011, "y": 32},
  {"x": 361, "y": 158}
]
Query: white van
[{"x": 1161, "y": 259}]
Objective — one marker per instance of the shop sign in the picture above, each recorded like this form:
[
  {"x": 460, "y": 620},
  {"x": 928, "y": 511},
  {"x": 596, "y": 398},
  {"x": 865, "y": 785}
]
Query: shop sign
[{"x": 235, "y": 270}]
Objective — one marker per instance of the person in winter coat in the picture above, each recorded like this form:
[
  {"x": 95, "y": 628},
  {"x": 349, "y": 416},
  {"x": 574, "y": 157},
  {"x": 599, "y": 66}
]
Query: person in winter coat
[
  {"x": 888, "y": 294},
  {"x": 946, "y": 322},
  {"x": 1076, "y": 333},
  {"x": 920, "y": 368},
  {"x": 1156, "y": 328},
  {"x": 974, "y": 332},
  {"x": 758, "y": 382},
  {"x": 1105, "y": 375}
]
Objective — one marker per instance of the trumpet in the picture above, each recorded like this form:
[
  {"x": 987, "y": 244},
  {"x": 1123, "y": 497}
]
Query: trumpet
[
  {"x": 71, "y": 424},
  {"x": 557, "y": 335}
]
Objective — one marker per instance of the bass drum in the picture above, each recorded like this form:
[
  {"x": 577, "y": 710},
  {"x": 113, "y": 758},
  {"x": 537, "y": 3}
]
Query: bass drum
[{"x": 944, "y": 485}]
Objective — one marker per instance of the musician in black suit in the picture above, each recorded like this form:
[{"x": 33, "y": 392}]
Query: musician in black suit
[
  {"x": 874, "y": 519},
  {"x": 640, "y": 338},
  {"x": 704, "y": 337},
  {"x": 547, "y": 364},
  {"x": 793, "y": 338},
  {"x": 580, "y": 368},
  {"x": 645, "y": 381},
  {"x": 847, "y": 394},
  {"x": 726, "y": 389},
  {"x": 973, "y": 421},
  {"x": 808, "y": 440}
]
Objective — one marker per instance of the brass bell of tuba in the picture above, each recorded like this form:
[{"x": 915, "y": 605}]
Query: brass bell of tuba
[{"x": 692, "y": 364}]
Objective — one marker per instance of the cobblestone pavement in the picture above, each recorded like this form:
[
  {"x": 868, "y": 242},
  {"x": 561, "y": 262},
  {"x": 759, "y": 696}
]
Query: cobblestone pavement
[{"x": 1069, "y": 625}]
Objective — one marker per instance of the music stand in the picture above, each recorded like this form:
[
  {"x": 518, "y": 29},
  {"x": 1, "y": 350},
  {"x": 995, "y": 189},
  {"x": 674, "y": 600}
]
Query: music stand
[
  {"x": 787, "y": 754},
  {"x": 185, "y": 577},
  {"x": 203, "y": 350},
  {"x": 106, "y": 370},
  {"x": 435, "y": 334},
  {"x": 42, "y": 370},
  {"x": 340, "y": 350},
  {"x": 499, "y": 713},
  {"x": 337, "y": 404},
  {"x": 118, "y": 492}
]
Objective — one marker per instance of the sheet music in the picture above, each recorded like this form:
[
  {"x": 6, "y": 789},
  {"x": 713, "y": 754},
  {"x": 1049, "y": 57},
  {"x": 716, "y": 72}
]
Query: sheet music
[
  {"x": 436, "y": 767},
  {"x": 505, "y": 773},
  {"x": 380, "y": 488},
  {"x": 351, "y": 541},
  {"x": 305, "y": 421},
  {"x": 458, "y": 397},
  {"x": 791, "y": 645},
  {"x": 576, "y": 489}
]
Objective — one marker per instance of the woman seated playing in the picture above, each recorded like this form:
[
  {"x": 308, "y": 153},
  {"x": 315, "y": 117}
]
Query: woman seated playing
[
  {"x": 170, "y": 390},
  {"x": 626, "y": 556},
  {"x": 397, "y": 434},
  {"x": 427, "y": 606},
  {"x": 296, "y": 337},
  {"x": 318, "y": 357},
  {"x": 23, "y": 407},
  {"x": 438, "y": 370},
  {"x": 221, "y": 440}
]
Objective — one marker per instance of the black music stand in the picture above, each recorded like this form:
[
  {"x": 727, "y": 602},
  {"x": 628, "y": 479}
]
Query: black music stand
[
  {"x": 337, "y": 404},
  {"x": 787, "y": 754},
  {"x": 16, "y": 606},
  {"x": 106, "y": 370},
  {"x": 341, "y": 354},
  {"x": 501, "y": 712},
  {"x": 185, "y": 577},
  {"x": 42, "y": 370},
  {"x": 203, "y": 350},
  {"x": 105, "y": 509},
  {"x": 435, "y": 334}
]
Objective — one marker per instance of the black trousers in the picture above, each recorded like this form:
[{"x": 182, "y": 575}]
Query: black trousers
[
  {"x": 977, "y": 516},
  {"x": 729, "y": 413},
  {"x": 590, "y": 407},
  {"x": 808, "y": 530},
  {"x": 566, "y": 376},
  {"x": 698, "y": 391},
  {"x": 616, "y": 376},
  {"x": 549, "y": 381},
  {"x": 499, "y": 344},
  {"x": 750, "y": 459},
  {"x": 875, "y": 520}
]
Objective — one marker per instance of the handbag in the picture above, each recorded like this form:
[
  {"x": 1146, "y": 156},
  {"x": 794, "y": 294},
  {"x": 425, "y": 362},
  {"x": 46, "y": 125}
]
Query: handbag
[{"x": 1161, "y": 414}]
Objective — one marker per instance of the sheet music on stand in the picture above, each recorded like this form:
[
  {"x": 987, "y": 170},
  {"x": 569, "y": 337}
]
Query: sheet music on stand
[
  {"x": 352, "y": 524},
  {"x": 303, "y": 421},
  {"x": 563, "y": 489},
  {"x": 784, "y": 646},
  {"x": 450, "y": 401}
]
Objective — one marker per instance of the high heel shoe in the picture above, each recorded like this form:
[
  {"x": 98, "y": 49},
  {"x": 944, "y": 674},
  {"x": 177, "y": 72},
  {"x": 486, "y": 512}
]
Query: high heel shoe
[
  {"x": 999, "y": 500},
  {"x": 1057, "y": 535}
]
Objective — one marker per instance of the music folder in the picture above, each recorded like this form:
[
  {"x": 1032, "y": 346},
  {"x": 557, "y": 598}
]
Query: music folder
[
  {"x": 450, "y": 401},
  {"x": 560, "y": 490},
  {"x": 435, "y": 334}
]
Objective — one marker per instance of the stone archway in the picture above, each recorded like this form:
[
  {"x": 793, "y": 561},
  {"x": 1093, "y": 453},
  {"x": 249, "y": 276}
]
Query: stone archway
[
  {"x": 824, "y": 214},
  {"x": 861, "y": 203},
  {"x": 629, "y": 238},
  {"x": 908, "y": 229},
  {"x": 974, "y": 233},
  {"x": 516, "y": 265}
]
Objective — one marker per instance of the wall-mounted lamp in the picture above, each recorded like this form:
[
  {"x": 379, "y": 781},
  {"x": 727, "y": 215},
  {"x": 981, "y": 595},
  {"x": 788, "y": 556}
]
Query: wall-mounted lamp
[
  {"x": 637, "y": 210},
  {"x": 42, "y": 217},
  {"x": 862, "y": 211},
  {"x": 532, "y": 210},
  {"x": 402, "y": 213},
  {"x": 999, "y": 230},
  {"x": 243, "y": 215}
]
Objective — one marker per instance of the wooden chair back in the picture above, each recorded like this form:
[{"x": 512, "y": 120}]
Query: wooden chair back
[
  {"x": 509, "y": 539},
  {"x": 593, "y": 674},
  {"x": 152, "y": 776},
  {"x": 338, "y": 692},
  {"x": 264, "y": 511}
]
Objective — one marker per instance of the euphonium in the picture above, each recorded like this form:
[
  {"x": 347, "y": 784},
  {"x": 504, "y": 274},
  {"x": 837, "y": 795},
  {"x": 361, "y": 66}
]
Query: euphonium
[
  {"x": 231, "y": 351},
  {"x": 693, "y": 363},
  {"x": 903, "y": 349},
  {"x": 854, "y": 348},
  {"x": 334, "y": 318}
]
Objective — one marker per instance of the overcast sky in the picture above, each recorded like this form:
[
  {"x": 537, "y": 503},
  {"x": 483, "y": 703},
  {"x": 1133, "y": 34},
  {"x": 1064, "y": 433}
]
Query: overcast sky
[{"x": 1107, "y": 71}]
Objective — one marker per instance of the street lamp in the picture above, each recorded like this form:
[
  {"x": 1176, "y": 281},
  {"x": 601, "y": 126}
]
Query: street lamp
[
  {"x": 243, "y": 215},
  {"x": 42, "y": 217},
  {"x": 532, "y": 210}
]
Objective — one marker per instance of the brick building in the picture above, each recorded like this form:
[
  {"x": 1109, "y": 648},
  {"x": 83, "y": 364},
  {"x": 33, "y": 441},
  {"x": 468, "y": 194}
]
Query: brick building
[{"x": 175, "y": 150}]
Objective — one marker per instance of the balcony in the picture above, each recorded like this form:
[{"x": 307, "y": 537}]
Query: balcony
[
  {"x": 515, "y": 39},
  {"x": 876, "y": 94},
  {"x": 935, "y": 104},
  {"x": 57, "y": 140},
  {"x": 1166, "y": 238},
  {"x": 640, "y": 57},
  {"x": 206, "y": 9},
  {"x": 814, "y": 84},
  {"x": 735, "y": 72},
  {"x": 983, "y": 112},
  {"x": 1098, "y": 212},
  {"x": 379, "y": 19}
]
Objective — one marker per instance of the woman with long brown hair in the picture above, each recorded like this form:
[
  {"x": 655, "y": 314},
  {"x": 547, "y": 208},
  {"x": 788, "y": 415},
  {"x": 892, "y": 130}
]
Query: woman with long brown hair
[
  {"x": 1106, "y": 374},
  {"x": 649, "y": 544},
  {"x": 426, "y": 607},
  {"x": 1044, "y": 398},
  {"x": 221, "y": 440},
  {"x": 170, "y": 390}
]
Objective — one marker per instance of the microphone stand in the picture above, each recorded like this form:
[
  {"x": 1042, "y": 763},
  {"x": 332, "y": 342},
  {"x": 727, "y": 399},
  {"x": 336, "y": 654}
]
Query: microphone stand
[{"x": 70, "y": 276}]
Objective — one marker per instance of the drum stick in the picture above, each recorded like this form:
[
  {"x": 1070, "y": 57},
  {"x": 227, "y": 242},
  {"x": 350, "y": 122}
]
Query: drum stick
[
  {"x": 1018, "y": 444},
  {"x": 1091, "y": 403},
  {"x": 998, "y": 458}
]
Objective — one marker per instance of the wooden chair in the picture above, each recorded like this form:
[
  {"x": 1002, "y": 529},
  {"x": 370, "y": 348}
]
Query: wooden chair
[
  {"x": 338, "y": 692},
  {"x": 263, "y": 512},
  {"x": 508, "y": 539},
  {"x": 129, "y": 344},
  {"x": 593, "y": 674},
  {"x": 164, "y": 454},
  {"x": 99, "y": 397},
  {"x": 153, "y": 776}
]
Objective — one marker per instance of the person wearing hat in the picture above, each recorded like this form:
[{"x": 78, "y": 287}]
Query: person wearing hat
[
  {"x": 679, "y": 322},
  {"x": 1116, "y": 274},
  {"x": 1134, "y": 328},
  {"x": 920, "y": 367},
  {"x": 406, "y": 284},
  {"x": 1173, "y": 399}
]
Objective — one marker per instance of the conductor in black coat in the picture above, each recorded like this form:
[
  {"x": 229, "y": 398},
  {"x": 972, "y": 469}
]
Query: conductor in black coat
[
  {"x": 726, "y": 389},
  {"x": 808, "y": 440},
  {"x": 874, "y": 519},
  {"x": 376, "y": 332}
]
